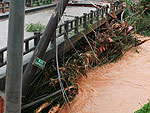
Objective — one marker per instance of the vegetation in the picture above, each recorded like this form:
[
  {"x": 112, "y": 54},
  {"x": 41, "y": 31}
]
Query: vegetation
[
  {"x": 34, "y": 27},
  {"x": 144, "y": 109},
  {"x": 144, "y": 26},
  {"x": 138, "y": 15}
]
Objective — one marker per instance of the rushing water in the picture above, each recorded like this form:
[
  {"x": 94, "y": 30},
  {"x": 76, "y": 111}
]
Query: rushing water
[{"x": 120, "y": 87}]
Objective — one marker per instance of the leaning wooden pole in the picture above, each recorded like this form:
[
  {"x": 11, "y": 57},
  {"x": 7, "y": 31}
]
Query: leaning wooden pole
[
  {"x": 15, "y": 57},
  {"x": 43, "y": 43}
]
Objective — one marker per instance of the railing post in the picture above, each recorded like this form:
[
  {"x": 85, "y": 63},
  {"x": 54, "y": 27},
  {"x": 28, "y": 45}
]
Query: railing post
[
  {"x": 71, "y": 24},
  {"x": 60, "y": 29},
  {"x": 1, "y": 58},
  {"x": 112, "y": 7},
  {"x": 97, "y": 14},
  {"x": 36, "y": 40},
  {"x": 116, "y": 5},
  {"x": 76, "y": 25},
  {"x": 106, "y": 10},
  {"x": 66, "y": 29},
  {"x": 31, "y": 3},
  {"x": 3, "y": 7},
  {"x": 27, "y": 45},
  {"x": 38, "y": 2},
  {"x": 103, "y": 11},
  {"x": 85, "y": 20},
  {"x": 91, "y": 17}
]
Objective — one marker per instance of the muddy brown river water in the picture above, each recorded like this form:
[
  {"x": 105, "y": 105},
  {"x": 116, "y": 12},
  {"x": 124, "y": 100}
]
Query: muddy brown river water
[{"x": 121, "y": 87}]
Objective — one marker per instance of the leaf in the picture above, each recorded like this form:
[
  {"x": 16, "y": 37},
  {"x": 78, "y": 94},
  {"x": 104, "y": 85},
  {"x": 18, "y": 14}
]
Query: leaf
[{"x": 136, "y": 50}]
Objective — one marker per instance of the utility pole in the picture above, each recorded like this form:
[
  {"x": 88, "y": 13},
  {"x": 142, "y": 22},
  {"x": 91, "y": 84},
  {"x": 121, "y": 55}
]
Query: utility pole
[
  {"x": 43, "y": 44},
  {"x": 15, "y": 57}
]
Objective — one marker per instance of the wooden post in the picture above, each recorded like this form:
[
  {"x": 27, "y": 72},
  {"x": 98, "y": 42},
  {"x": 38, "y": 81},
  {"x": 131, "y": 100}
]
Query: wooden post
[
  {"x": 43, "y": 44},
  {"x": 15, "y": 57}
]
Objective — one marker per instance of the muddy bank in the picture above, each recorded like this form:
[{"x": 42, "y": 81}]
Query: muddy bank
[{"x": 120, "y": 87}]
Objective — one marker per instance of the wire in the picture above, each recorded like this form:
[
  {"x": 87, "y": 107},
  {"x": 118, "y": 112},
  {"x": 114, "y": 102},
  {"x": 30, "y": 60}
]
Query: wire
[
  {"x": 57, "y": 64},
  {"x": 59, "y": 78}
]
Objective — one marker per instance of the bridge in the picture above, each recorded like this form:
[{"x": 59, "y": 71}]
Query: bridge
[{"x": 72, "y": 29}]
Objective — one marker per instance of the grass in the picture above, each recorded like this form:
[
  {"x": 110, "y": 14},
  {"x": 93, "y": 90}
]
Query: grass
[
  {"x": 144, "y": 109},
  {"x": 34, "y": 27}
]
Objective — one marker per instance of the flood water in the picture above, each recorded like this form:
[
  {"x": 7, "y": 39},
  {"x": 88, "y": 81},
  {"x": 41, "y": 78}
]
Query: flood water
[{"x": 121, "y": 87}]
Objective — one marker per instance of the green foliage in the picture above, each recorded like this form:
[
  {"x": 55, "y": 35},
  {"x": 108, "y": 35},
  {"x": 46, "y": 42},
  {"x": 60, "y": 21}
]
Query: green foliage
[
  {"x": 144, "y": 26},
  {"x": 33, "y": 27},
  {"x": 144, "y": 109},
  {"x": 128, "y": 2},
  {"x": 139, "y": 13}
]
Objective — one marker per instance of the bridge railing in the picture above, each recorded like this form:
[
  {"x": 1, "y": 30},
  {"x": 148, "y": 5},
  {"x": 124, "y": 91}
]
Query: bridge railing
[
  {"x": 31, "y": 3},
  {"x": 67, "y": 29},
  {"x": 4, "y": 6},
  {"x": 27, "y": 48}
]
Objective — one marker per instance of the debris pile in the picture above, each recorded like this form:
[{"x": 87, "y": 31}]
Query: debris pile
[{"x": 105, "y": 45}]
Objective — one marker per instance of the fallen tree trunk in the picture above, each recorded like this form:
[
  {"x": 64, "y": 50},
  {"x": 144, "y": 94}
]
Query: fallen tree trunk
[{"x": 43, "y": 44}]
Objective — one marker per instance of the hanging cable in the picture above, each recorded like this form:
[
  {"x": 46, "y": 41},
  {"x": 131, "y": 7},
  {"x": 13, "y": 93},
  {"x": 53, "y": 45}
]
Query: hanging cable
[{"x": 59, "y": 75}]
